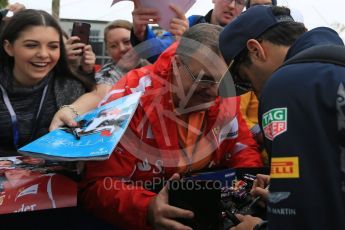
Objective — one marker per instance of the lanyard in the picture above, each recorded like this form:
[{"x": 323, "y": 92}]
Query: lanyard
[
  {"x": 184, "y": 152},
  {"x": 13, "y": 115}
]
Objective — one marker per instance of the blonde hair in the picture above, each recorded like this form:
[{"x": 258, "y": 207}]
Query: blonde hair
[{"x": 117, "y": 24}]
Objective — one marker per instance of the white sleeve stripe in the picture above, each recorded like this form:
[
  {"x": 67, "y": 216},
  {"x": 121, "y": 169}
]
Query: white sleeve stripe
[
  {"x": 238, "y": 147},
  {"x": 110, "y": 94},
  {"x": 255, "y": 130},
  {"x": 144, "y": 82}
]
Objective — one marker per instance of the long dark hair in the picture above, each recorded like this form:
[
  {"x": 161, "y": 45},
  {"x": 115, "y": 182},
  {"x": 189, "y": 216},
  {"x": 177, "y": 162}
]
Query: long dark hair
[{"x": 29, "y": 18}]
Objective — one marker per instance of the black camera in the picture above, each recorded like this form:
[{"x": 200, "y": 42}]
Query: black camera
[
  {"x": 215, "y": 203},
  {"x": 200, "y": 197}
]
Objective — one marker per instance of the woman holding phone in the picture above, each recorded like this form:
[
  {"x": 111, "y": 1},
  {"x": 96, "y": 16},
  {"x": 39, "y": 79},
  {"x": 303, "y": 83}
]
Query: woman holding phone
[
  {"x": 79, "y": 52},
  {"x": 35, "y": 78}
]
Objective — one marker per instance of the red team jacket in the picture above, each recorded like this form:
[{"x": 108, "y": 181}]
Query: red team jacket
[{"x": 150, "y": 150}]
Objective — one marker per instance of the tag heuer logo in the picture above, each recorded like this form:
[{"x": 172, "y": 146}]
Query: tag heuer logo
[{"x": 274, "y": 122}]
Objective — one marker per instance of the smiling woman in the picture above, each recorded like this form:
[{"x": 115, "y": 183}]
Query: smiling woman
[
  {"x": 35, "y": 56},
  {"x": 35, "y": 78}
]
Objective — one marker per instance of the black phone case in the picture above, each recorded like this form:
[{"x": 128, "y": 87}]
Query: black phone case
[{"x": 82, "y": 30}]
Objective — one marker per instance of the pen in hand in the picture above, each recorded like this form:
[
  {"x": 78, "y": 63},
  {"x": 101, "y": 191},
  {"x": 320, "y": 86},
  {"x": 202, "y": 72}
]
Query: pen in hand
[
  {"x": 257, "y": 198},
  {"x": 75, "y": 133}
]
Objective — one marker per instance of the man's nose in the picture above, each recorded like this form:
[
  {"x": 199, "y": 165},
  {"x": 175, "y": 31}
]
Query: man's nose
[{"x": 232, "y": 3}]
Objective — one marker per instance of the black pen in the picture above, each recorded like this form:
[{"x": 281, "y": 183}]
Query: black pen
[
  {"x": 257, "y": 198},
  {"x": 75, "y": 133}
]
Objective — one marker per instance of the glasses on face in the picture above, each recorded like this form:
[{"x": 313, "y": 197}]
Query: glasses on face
[
  {"x": 242, "y": 85},
  {"x": 202, "y": 80},
  {"x": 237, "y": 2}
]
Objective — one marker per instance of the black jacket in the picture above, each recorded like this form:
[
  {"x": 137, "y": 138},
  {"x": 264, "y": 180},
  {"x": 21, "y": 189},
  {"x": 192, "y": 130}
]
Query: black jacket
[
  {"x": 25, "y": 102},
  {"x": 302, "y": 113}
]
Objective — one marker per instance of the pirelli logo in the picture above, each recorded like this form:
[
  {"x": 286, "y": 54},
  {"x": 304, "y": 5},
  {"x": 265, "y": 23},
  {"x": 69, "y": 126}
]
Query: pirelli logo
[{"x": 285, "y": 167}]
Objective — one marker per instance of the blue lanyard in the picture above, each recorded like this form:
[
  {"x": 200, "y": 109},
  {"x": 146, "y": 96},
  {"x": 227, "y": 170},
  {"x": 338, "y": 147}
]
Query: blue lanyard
[{"x": 14, "y": 120}]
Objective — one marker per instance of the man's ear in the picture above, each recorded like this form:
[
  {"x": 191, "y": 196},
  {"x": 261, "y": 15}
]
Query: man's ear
[
  {"x": 256, "y": 51},
  {"x": 8, "y": 48}
]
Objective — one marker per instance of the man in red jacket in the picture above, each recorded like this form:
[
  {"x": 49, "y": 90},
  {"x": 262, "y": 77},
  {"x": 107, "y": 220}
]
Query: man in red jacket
[{"x": 180, "y": 126}]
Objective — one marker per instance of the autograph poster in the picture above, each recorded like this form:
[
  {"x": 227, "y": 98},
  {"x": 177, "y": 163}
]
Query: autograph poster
[
  {"x": 97, "y": 134},
  {"x": 30, "y": 184}
]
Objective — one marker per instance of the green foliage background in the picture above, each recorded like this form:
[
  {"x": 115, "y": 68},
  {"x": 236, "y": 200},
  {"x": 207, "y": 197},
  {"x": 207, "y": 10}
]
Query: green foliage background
[{"x": 3, "y": 3}]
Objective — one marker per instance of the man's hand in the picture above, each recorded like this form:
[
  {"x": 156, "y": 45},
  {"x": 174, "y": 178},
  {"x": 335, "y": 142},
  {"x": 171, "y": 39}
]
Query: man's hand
[
  {"x": 141, "y": 18},
  {"x": 260, "y": 186},
  {"x": 179, "y": 24},
  {"x": 247, "y": 222},
  {"x": 161, "y": 214}
]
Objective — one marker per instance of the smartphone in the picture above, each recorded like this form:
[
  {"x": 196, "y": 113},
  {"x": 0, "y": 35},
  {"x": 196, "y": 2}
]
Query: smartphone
[{"x": 82, "y": 30}]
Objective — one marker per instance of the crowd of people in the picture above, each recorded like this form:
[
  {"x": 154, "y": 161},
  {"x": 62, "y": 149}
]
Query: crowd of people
[{"x": 289, "y": 117}]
